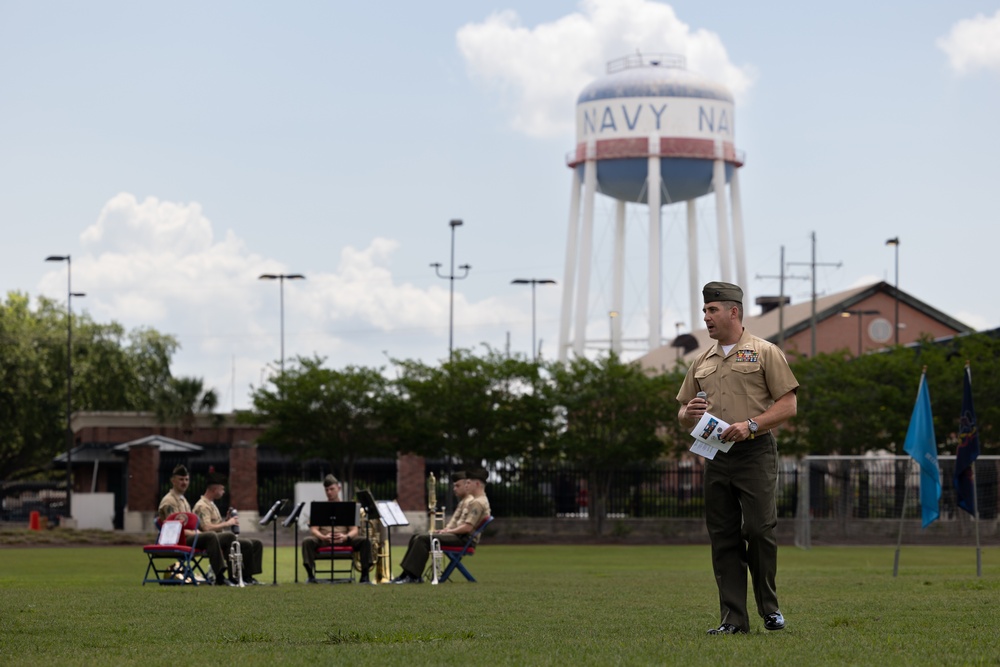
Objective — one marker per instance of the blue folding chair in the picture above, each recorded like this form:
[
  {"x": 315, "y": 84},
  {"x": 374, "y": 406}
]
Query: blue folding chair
[{"x": 455, "y": 554}]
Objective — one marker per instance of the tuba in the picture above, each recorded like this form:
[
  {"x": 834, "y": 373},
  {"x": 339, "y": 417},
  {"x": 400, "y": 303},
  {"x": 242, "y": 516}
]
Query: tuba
[
  {"x": 236, "y": 552},
  {"x": 380, "y": 550}
]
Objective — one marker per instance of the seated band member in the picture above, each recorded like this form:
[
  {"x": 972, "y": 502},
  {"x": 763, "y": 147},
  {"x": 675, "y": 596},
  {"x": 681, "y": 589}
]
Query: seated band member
[
  {"x": 474, "y": 506},
  {"x": 175, "y": 501},
  {"x": 210, "y": 520},
  {"x": 325, "y": 536}
]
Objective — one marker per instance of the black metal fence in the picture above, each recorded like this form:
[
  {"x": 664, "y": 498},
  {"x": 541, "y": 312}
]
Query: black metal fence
[
  {"x": 838, "y": 488},
  {"x": 879, "y": 487}
]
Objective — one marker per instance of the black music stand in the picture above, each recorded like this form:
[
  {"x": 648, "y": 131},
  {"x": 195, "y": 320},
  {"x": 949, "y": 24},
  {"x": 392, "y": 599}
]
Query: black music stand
[
  {"x": 270, "y": 517},
  {"x": 333, "y": 514},
  {"x": 293, "y": 518}
]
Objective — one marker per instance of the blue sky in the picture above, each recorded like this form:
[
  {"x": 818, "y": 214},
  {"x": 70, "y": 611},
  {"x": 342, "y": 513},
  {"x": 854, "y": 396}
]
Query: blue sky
[{"x": 177, "y": 151}]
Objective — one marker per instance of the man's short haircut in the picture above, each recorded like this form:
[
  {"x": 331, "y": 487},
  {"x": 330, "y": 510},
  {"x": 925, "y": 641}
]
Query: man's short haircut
[{"x": 734, "y": 304}]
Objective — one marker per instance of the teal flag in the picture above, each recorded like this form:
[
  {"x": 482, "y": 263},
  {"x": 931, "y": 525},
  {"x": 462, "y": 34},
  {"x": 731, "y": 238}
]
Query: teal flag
[{"x": 922, "y": 447}]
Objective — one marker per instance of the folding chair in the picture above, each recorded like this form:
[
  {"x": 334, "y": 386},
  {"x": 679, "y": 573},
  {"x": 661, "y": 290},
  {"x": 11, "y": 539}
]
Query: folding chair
[
  {"x": 184, "y": 566},
  {"x": 457, "y": 553},
  {"x": 336, "y": 554}
]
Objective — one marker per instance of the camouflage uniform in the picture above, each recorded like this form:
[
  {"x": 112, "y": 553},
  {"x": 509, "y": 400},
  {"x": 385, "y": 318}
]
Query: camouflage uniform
[
  {"x": 174, "y": 502},
  {"x": 252, "y": 550},
  {"x": 359, "y": 544},
  {"x": 470, "y": 510}
]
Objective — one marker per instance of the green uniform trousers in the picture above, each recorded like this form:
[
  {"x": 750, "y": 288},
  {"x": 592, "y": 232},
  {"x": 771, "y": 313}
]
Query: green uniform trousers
[{"x": 741, "y": 517}]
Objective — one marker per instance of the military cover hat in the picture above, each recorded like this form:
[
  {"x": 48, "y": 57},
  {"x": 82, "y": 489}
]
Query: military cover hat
[
  {"x": 216, "y": 478},
  {"x": 477, "y": 473},
  {"x": 718, "y": 291}
]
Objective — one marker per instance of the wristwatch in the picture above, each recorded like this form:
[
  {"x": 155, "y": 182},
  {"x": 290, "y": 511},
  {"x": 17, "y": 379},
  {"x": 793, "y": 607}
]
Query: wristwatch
[{"x": 753, "y": 428}]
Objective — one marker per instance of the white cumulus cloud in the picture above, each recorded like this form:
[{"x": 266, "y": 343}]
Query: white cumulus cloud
[
  {"x": 973, "y": 44},
  {"x": 162, "y": 264},
  {"x": 540, "y": 71}
]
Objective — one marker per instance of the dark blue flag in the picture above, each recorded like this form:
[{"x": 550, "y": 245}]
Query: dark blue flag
[
  {"x": 922, "y": 447},
  {"x": 968, "y": 449}
]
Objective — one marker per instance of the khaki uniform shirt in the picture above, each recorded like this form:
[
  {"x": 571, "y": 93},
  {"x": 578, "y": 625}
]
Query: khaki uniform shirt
[
  {"x": 172, "y": 502},
  {"x": 207, "y": 513},
  {"x": 472, "y": 511},
  {"x": 743, "y": 384}
]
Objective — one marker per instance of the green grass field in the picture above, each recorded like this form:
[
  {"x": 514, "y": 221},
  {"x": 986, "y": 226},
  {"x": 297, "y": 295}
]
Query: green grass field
[{"x": 533, "y": 605}]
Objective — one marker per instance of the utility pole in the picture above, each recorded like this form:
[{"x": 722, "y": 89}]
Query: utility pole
[
  {"x": 813, "y": 264},
  {"x": 781, "y": 296}
]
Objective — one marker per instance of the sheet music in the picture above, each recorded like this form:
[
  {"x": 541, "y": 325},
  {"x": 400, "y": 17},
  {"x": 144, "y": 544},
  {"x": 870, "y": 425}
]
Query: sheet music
[
  {"x": 392, "y": 513},
  {"x": 170, "y": 534}
]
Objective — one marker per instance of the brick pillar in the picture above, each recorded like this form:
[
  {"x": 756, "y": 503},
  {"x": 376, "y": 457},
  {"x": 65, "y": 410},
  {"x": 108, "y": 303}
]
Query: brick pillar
[
  {"x": 243, "y": 479},
  {"x": 411, "y": 484},
  {"x": 143, "y": 478}
]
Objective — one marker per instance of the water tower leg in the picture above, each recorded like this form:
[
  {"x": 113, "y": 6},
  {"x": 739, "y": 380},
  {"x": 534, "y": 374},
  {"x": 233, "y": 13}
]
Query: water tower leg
[
  {"x": 569, "y": 272},
  {"x": 586, "y": 250},
  {"x": 725, "y": 254},
  {"x": 618, "y": 278},
  {"x": 654, "y": 185},
  {"x": 693, "y": 285},
  {"x": 738, "y": 239}
]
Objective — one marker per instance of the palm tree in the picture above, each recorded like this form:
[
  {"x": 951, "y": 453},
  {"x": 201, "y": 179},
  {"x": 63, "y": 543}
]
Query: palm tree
[{"x": 179, "y": 400}]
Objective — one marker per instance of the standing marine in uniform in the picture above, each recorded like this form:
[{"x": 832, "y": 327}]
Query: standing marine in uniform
[{"x": 749, "y": 385}]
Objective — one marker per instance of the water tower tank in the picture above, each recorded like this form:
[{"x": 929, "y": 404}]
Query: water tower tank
[
  {"x": 643, "y": 96},
  {"x": 649, "y": 132}
]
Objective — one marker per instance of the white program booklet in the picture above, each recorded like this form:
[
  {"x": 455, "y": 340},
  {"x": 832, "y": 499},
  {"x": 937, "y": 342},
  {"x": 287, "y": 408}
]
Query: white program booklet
[
  {"x": 701, "y": 449},
  {"x": 706, "y": 436}
]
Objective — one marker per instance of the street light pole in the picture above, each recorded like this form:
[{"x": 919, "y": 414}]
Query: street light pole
[
  {"x": 895, "y": 242},
  {"x": 860, "y": 314},
  {"x": 533, "y": 282},
  {"x": 69, "y": 375},
  {"x": 281, "y": 277},
  {"x": 452, "y": 278}
]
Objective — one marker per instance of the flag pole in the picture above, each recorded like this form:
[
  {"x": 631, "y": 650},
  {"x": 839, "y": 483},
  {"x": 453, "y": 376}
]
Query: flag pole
[
  {"x": 975, "y": 495},
  {"x": 906, "y": 486},
  {"x": 902, "y": 515}
]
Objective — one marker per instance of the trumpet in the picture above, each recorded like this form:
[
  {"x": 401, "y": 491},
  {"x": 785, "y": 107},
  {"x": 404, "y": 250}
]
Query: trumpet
[
  {"x": 236, "y": 553},
  {"x": 436, "y": 556}
]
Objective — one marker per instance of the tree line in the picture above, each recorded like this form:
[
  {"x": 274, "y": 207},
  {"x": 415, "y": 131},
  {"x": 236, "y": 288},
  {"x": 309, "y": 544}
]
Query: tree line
[
  {"x": 474, "y": 407},
  {"x": 113, "y": 369}
]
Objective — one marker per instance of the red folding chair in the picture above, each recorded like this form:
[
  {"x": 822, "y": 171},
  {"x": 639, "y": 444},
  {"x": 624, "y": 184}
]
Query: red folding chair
[
  {"x": 181, "y": 562},
  {"x": 336, "y": 555},
  {"x": 455, "y": 554}
]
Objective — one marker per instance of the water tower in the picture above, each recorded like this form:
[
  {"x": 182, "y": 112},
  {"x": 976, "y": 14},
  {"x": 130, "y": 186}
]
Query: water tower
[{"x": 649, "y": 132}]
